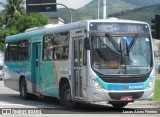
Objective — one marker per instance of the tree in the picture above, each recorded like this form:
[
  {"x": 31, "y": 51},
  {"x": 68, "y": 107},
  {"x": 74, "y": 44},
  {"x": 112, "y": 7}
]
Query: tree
[
  {"x": 27, "y": 21},
  {"x": 1, "y": 21},
  {"x": 12, "y": 8},
  {"x": 14, "y": 19},
  {"x": 19, "y": 25}
]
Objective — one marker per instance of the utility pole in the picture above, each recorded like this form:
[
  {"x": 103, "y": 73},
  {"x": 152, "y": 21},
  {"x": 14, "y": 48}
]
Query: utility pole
[
  {"x": 98, "y": 7},
  {"x": 104, "y": 9}
]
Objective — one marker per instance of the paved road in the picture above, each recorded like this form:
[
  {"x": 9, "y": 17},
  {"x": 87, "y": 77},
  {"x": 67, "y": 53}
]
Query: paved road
[{"x": 11, "y": 99}]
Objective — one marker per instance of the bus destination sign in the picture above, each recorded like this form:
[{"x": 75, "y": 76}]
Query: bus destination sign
[{"x": 119, "y": 27}]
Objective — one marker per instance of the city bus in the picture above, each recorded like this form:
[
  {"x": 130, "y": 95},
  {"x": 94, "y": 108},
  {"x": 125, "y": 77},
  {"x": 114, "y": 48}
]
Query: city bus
[{"x": 91, "y": 61}]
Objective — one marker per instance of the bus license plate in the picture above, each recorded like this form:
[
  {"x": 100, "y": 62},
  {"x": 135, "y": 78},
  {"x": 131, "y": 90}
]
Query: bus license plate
[{"x": 126, "y": 98}]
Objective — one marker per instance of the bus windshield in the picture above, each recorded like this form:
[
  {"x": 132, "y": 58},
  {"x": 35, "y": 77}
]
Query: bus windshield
[{"x": 121, "y": 53}]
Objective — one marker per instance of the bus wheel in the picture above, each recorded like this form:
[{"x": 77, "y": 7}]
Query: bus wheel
[
  {"x": 118, "y": 104},
  {"x": 23, "y": 90},
  {"x": 66, "y": 96}
]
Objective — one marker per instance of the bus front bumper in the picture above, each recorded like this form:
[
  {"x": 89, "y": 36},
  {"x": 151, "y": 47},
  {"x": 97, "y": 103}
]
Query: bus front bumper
[{"x": 98, "y": 95}]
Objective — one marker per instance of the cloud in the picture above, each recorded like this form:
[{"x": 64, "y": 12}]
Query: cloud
[{"x": 73, "y": 3}]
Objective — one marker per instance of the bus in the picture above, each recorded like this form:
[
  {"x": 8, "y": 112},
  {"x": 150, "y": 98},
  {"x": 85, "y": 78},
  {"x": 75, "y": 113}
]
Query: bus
[{"x": 91, "y": 61}]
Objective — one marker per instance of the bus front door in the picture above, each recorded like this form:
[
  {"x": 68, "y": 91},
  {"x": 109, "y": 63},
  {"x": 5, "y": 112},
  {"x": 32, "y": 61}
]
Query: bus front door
[{"x": 78, "y": 68}]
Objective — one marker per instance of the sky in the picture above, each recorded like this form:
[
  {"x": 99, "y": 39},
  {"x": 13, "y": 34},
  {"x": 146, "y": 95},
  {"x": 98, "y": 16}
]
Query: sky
[{"x": 74, "y": 4}]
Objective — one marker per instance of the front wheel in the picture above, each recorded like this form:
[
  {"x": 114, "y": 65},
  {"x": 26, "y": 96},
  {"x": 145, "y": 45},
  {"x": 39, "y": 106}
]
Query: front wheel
[
  {"x": 66, "y": 96},
  {"x": 24, "y": 93},
  {"x": 118, "y": 104}
]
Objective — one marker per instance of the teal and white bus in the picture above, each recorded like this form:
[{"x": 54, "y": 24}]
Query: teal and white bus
[{"x": 108, "y": 60}]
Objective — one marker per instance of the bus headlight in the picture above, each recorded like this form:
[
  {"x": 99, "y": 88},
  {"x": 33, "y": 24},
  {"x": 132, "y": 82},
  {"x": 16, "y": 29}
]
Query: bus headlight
[
  {"x": 150, "y": 84},
  {"x": 97, "y": 84}
]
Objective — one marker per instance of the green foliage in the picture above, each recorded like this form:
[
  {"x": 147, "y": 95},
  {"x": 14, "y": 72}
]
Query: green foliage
[
  {"x": 27, "y": 21},
  {"x": 19, "y": 25},
  {"x": 157, "y": 90},
  {"x": 1, "y": 21},
  {"x": 14, "y": 19},
  {"x": 12, "y": 9},
  {"x": 4, "y": 33}
]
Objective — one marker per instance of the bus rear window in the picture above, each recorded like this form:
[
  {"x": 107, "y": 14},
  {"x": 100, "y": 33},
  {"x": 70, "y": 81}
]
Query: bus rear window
[
  {"x": 12, "y": 51},
  {"x": 17, "y": 51}
]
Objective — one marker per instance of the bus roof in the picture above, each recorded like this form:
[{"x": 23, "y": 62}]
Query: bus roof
[
  {"x": 112, "y": 19},
  {"x": 23, "y": 36},
  {"x": 83, "y": 23},
  {"x": 66, "y": 27}
]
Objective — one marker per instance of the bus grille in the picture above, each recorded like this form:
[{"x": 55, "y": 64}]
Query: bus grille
[
  {"x": 124, "y": 80},
  {"x": 117, "y": 96}
]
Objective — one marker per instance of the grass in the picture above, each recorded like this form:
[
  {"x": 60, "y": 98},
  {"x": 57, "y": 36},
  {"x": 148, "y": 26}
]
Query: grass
[{"x": 157, "y": 90}]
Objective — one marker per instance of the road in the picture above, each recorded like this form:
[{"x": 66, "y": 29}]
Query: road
[{"x": 10, "y": 99}]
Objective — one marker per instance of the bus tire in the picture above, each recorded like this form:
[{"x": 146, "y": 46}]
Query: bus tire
[
  {"x": 23, "y": 90},
  {"x": 118, "y": 104},
  {"x": 66, "y": 96}
]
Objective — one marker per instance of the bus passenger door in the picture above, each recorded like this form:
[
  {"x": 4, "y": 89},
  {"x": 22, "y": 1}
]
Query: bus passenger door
[
  {"x": 36, "y": 66},
  {"x": 77, "y": 69}
]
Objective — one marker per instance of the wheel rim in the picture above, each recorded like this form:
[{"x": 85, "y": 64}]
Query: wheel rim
[{"x": 67, "y": 96}]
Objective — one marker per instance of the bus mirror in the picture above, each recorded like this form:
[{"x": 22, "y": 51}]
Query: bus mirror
[
  {"x": 86, "y": 43},
  {"x": 6, "y": 45}
]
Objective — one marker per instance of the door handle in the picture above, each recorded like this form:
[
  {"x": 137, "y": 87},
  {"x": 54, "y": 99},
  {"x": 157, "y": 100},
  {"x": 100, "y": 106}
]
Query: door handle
[{"x": 36, "y": 62}]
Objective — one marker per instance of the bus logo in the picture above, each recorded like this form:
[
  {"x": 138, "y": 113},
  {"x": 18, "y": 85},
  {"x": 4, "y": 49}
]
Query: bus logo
[
  {"x": 133, "y": 87},
  {"x": 126, "y": 87}
]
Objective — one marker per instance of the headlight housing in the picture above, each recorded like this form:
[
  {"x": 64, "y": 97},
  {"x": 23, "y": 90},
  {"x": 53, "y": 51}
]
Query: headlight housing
[
  {"x": 97, "y": 84},
  {"x": 150, "y": 84}
]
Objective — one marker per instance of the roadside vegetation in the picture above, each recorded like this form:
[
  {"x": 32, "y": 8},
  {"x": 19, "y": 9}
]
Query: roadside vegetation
[
  {"x": 157, "y": 90},
  {"x": 14, "y": 19}
]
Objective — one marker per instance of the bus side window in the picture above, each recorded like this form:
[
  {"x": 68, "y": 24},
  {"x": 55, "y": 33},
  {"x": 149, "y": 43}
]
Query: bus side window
[
  {"x": 23, "y": 54},
  {"x": 61, "y": 46},
  {"x": 12, "y": 51},
  {"x": 48, "y": 47}
]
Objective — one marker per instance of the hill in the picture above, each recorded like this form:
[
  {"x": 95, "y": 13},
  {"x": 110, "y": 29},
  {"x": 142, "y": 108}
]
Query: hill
[
  {"x": 89, "y": 11},
  {"x": 141, "y": 14},
  {"x": 142, "y": 3},
  {"x": 114, "y": 7}
]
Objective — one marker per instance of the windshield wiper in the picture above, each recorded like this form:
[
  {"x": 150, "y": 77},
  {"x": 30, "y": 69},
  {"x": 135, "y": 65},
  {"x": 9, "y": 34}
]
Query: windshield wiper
[
  {"x": 132, "y": 43},
  {"x": 127, "y": 49},
  {"x": 113, "y": 42}
]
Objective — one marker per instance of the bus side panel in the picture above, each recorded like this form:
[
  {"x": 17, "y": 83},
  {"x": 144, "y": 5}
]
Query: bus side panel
[
  {"x": 13, "y": 71},
  {"x": 62, "y": 69},
  {"x": 48, "y": 81}
]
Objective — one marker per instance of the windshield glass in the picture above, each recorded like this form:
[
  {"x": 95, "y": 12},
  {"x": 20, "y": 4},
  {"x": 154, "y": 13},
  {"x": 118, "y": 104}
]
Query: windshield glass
[{"x": 121, "y": 54}]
